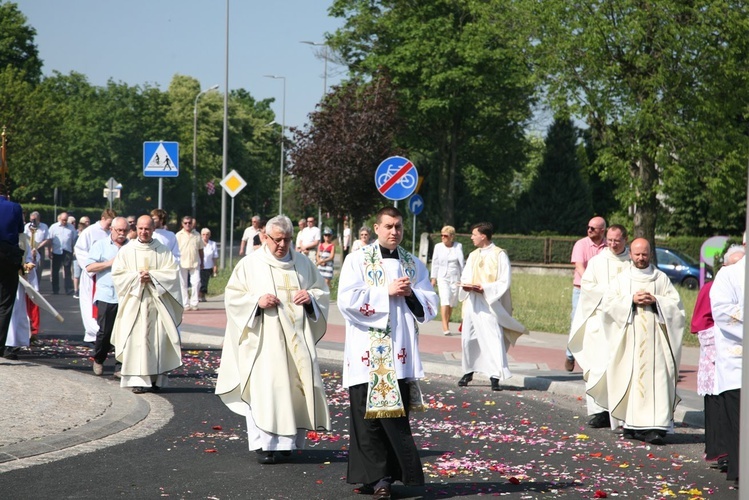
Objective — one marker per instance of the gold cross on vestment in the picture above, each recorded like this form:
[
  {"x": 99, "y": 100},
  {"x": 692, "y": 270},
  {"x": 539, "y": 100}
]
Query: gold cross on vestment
[{"x": 287, "y": 288}]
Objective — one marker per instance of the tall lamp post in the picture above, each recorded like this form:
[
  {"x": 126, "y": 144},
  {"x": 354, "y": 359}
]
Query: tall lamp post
[
  {"x": 283, "y": 130},
  {"x": 195, "y": 149},
  {"x": 325, "y": 57}
]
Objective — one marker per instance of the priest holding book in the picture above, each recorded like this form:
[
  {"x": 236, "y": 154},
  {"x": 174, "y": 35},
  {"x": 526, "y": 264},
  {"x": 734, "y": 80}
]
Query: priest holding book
[{"x": 488, "y": 326}]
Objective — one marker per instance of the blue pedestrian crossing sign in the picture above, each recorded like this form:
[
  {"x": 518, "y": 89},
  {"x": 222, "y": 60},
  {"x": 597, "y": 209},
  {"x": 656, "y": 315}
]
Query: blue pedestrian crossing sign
[
  {"x": 396, "y": 178},
  {"x": 416, "y": 204},
  {"x": 160, "y": 159}
]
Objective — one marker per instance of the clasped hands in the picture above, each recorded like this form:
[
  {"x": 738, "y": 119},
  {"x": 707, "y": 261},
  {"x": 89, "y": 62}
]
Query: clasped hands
[
  {"x": 400, "y": 287},
  {"x": 145, "y": 277},
  {"x": 301, "y": 297},
  {"x": 643, "y": 298}
]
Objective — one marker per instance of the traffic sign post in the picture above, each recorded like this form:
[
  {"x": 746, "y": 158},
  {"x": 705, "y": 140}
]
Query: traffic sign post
[
  {"x": 160, "y": 159},
  {"x": 112, "y": 190},
  {"x": 232, "y": 184},
  {"x": 415, "y": 206},
  {"x": 396, "y": 178}
]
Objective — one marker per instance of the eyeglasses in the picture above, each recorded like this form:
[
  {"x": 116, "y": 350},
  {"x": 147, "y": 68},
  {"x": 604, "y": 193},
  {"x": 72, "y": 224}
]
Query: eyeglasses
[
  {"x": 444, "y": 235},
  {"x": 186, "y": 222},
  {"x": 123, "y": 230},
  {"x": 278, "y": 241},
  {"x": 591, "y": 228}
]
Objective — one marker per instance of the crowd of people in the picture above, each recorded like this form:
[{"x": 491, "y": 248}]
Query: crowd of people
[{"x": 135, "y": 278}]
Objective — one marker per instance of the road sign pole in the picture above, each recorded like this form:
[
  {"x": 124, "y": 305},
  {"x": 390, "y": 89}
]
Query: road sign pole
[
  {"x": 231, "y": 236},
  {"x": 413, "y": 238},
  {"x": 161, "y": 189}
]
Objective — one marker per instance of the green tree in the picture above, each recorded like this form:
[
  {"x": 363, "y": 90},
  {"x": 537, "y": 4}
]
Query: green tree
[
  {"x": 17, "y": 47},
  {"x": 463, "y": 88},
  {"x": 558, "y": 199},
  {"x": 659, "y": 83}
]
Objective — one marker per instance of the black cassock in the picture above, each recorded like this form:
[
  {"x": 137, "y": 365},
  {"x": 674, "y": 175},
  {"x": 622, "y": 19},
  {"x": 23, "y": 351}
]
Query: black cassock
[{"x": 381, "y": 447}]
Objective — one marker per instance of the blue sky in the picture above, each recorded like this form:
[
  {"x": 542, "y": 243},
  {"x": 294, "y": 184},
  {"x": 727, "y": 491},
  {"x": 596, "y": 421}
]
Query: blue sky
[{"x": 149, "y": 41}]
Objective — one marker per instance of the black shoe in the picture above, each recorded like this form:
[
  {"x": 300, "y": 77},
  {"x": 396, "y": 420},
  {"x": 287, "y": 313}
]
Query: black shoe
[
  {"x": 652, "y": 436},
  {"x": 139, "y": 390},
  {"x": 11, "y": 356},
  {"x": 382, "y": 493},
  {"x": 465, "y": 379},
  {"x": 265, "y": 457},
  {"x": 628, "y": 433},
  {"x": 495, "y": 384},
  {"x": 569, "y": 364},
  {"x": 600, "y": 420}
]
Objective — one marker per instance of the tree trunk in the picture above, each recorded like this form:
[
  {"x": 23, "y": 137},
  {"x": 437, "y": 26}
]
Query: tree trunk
[{"x": 646, "y": 214}]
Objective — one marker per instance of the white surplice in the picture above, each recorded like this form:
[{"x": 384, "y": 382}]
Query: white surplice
[
  {"x": 727, "y": 302},
  {"x": 488, "y": 326},
  {"x": 364, "y": 302}
]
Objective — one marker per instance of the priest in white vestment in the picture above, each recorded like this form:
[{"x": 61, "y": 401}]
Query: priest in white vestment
[
  {"x": 145, "y": 334},
  {"x": 727, "y": 300},
  {"x": 88, "y": 237},
  {"x": 643, "y": 319},
  {"x": 488, "y": 326},
  {"x": 276, "y": 310},
  {"x": 587, "y": 341},
  {"x": 383, "y": 293}
]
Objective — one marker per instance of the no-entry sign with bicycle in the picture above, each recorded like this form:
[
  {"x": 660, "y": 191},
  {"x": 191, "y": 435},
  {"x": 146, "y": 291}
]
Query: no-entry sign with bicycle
[{"x": 396, "y": 178}]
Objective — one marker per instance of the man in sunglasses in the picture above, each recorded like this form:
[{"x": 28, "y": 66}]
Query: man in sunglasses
[
  {"x": 276, "y": 309},
  {"x": 584, "y": 250}
]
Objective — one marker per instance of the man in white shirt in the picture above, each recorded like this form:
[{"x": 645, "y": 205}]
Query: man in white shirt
[
  {"x": 310, "y": 239},
  {"x": 162, "y": 234},
  {"x": 86, "y": 239},
  {"x": 249, "y": 235},
  {"x": 62, "y": 237},
  {"x": 190, "y": 262}
]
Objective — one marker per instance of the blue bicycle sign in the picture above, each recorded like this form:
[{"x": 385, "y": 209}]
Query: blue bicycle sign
[{"x": 395, "y": 178}]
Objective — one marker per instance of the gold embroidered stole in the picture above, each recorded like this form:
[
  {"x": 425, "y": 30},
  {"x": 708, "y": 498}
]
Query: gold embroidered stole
[
  {"x": 485, "y": 269},
  {"x": 384, "y": 399}
]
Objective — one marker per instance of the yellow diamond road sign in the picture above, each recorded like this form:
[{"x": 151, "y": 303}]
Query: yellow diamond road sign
[{"x": 233, "y": 183}]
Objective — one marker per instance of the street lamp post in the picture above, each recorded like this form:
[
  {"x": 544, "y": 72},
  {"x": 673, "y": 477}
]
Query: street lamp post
[
  {"x": 195, "y": 149},
  {"x": 283, "y": 130},
  {"x": 325, "y": 57}
]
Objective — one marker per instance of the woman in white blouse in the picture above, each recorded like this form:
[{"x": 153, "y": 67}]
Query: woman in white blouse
[
  {"x": 447, "y": 265},
  {"x": 363, "y": 239}
]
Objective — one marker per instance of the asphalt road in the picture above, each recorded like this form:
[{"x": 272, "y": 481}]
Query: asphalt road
[{"x": 474, "y": 443}]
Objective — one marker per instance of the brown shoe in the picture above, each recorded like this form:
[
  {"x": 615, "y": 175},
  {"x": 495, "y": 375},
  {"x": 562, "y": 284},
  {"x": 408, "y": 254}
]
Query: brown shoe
[
  {"x": 98, "y": 368},
  {"x": 569, "y": 364}
]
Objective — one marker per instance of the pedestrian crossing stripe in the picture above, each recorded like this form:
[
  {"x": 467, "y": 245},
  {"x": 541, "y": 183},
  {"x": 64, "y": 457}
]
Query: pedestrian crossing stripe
[{"x": 160, "y": 159}]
